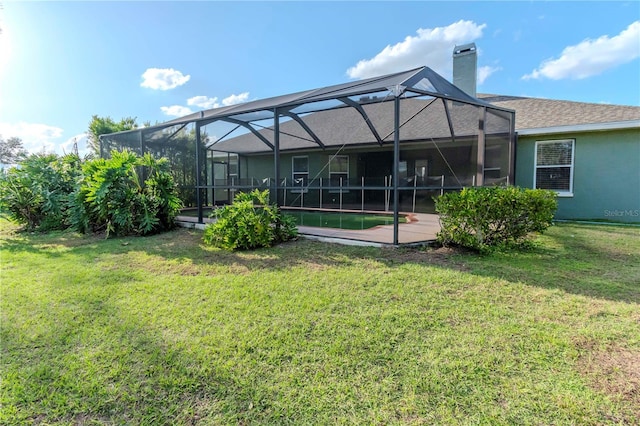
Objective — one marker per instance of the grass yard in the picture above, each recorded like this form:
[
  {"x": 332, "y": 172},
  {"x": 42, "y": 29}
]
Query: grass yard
[{"x": 162, "y": 330}]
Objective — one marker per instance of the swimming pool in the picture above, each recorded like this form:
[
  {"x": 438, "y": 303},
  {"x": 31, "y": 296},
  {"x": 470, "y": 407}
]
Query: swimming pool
[{"x": 341, "y": 220}]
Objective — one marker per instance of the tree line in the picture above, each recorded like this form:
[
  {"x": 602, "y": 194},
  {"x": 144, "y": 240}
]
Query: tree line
[{"x": 12, "y": 149}]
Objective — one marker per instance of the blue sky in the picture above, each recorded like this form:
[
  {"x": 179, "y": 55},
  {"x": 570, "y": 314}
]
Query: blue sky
[{"x": 62, "y": 62}]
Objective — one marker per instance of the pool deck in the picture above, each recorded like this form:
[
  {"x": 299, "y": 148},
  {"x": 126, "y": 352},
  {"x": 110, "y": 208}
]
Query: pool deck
[{"x": 421, "y": 228}]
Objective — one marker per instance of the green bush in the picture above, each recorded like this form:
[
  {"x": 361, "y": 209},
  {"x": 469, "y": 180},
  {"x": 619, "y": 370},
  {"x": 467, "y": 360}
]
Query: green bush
[
  {"x": 111, "y": 197},
  {"x": 484, "y": 217},
  {"x": 250, "y": 222},
  {"x": 39, "y": 193},
  {"x": 47, "y": 192}
]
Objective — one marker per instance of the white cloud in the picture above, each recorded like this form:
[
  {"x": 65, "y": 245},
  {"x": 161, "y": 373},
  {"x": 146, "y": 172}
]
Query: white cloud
[
  {"x": 235, "y": 99},
  {"x": 592, "y": 57},
  {"x": 35, "y": 137},
  {"x": 203, "y": 102},
  {"x": 176, "y": 110},
  {"x": 163, "y": 78},
  {"x": 431, "y": 47},
  {"x": 485, "y": 72},
  {"x": 206, "y": 102}
]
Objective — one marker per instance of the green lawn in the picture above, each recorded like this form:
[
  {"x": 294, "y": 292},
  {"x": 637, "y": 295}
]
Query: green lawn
[{"x": 162, "y": 330}]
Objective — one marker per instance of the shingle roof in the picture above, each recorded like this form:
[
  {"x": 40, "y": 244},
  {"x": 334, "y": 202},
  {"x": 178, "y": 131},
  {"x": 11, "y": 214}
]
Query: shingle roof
[
  {"x": 420, "y": 119},
  {"x": 538, "y": 113}
]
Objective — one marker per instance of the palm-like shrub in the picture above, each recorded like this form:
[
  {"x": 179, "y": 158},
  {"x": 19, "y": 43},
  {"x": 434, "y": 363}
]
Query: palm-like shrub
[
  {"x": 112, "y": 198},
  {"x": 39, "y": 193}
]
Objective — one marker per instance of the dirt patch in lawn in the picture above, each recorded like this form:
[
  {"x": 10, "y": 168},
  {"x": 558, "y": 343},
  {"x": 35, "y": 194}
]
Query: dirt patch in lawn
[
  {"x": 448, "y": 257},
  {"x": 614, "y": 371}
]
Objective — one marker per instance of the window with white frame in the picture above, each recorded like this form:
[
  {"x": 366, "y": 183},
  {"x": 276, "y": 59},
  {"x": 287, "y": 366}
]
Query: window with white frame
[
  {"x": 554, "y": 166},
  {"x": 300, "y": 172},
  {"x": 339, "y": 170}
]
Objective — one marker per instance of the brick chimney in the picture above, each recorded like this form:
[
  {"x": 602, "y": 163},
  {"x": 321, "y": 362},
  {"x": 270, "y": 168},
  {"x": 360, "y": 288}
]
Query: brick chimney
[{"x": 465, "y": 68}]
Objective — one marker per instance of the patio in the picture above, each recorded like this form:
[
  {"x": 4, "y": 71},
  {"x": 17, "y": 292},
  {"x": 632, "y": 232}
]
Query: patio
[{"x": 421, "y": 228}]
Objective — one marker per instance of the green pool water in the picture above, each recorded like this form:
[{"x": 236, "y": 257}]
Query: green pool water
[
  {"x": 323, "y": 219},
  {"x": 341, "y": 220}
]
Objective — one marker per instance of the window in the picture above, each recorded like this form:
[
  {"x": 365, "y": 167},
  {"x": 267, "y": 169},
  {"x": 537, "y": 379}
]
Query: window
[
  {"x": 554, "y": 166},
  {"x": 300, "y": 173},
  {"x": 339, "y": 170}
]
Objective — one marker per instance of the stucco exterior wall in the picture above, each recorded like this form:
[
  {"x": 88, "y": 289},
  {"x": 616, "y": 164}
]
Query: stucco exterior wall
[{"x": 606, "y": 175}]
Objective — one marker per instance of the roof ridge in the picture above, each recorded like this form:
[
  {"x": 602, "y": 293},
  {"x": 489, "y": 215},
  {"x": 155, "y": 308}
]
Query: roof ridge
[{"x": 501, "y": 98}]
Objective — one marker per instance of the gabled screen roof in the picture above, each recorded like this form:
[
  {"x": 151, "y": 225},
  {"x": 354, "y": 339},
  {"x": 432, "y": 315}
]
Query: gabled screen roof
[
  {"x": 357, "y": 112},
  {"x": 422, "y": 80}
]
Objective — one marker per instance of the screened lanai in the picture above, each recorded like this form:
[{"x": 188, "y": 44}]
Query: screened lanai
[{"x": 384, "y": 144}]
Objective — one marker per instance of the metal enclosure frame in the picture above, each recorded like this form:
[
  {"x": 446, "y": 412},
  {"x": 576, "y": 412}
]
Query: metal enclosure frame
[{"x": 417, "y": 108}]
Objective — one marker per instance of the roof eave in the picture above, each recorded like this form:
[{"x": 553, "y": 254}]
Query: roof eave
[{"x": 575, "y": 128}]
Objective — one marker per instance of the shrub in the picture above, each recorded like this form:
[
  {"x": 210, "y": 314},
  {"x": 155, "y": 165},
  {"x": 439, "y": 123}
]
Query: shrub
[
  {"x": 484, "y": 217},
  {"x": 112, "y": 198},
  {"x": 39, "y": 193},
  {"x": 250, "y": 222},
  {"x": 47, "y": 192}
]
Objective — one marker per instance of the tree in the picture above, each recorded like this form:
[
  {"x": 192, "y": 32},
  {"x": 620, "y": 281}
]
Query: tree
[
  {"x": 11, "y": 150},
  {"x": 102, "y": 126}
]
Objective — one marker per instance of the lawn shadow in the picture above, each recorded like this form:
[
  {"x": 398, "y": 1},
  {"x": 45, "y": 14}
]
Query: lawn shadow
[
  {"x": 579, "y": 261},
  {"x": 594, "y": 261},
  {"x": 101, "y": 364}
]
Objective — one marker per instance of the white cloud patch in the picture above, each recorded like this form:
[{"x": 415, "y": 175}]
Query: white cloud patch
[
  {"x": 163, "y": 78},
  {"x": 235, "y": 99},
  {"x": 485, "y": 72},
  {"x": 203, "y": 102},
  {"x": 206, "y": 102},
  {"x": 591, "y": 57},
  {"x": 176, "y": 110},
  {"x": 35, "y": 137},
  {"x": 431, "y": 46}
]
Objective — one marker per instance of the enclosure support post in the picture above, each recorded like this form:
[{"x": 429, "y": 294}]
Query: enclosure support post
[
  {"x": 396, "y": 165},
  {"x": 512, "y": 152},
  {"x": 198, "y": 183},
  {"x": 481, "y": 148},
  {"x": 276, "y": 154},
  {"x": 415, "y": 182},
  {"x": 362, "y": 195}
]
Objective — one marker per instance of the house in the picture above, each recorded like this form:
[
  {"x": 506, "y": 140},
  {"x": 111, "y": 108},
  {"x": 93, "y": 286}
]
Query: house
[
  {"x": 589, "y": 153},
  {"x": 392, "y": 143}
]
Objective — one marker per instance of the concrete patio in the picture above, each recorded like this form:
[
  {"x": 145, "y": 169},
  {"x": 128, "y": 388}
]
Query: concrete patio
[{"x": 421, "y": 228}]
